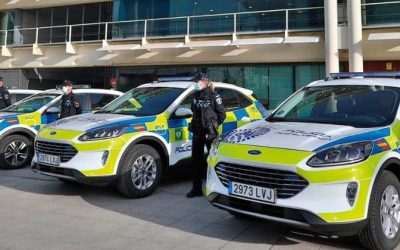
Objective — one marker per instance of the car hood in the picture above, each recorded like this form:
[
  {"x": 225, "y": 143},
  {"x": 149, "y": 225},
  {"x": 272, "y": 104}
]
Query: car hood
[
  {"x": 301, "y": 136},
  {"x": 88, "y": 122}
]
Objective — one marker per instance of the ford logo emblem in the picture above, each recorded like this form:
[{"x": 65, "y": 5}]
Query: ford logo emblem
[
  {"x": 53, "y": 133},
  {"x": 254, "y": 152}
]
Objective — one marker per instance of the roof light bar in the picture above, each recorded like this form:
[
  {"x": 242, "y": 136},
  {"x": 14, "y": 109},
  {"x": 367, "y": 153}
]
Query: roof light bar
[
  {"x": 387, "y": 74},
  {"x": 76, "y": 86},
  {"x": 175, "y": 79}
]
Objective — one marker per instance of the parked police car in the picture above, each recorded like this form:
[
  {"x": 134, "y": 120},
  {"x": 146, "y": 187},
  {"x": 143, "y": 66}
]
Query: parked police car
[
  {"x": 20, "y": 122},
  {"x": 327, "y": 159},
  {"x": 133, "y": 139}
]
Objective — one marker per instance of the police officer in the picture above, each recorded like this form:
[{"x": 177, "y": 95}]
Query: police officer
[
  {"x": 5, "y": 99},
  {"x": 208, "y": 114},
  {"x": 70, "y": 105}
]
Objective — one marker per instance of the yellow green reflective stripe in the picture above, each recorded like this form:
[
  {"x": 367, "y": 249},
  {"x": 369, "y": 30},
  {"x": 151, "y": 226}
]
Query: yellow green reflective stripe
[{"x": 268, "y": 155}]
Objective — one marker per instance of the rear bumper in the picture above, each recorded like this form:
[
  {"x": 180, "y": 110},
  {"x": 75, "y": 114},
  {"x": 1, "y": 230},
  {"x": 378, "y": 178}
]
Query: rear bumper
[
  {"x": 295, "y": 217},
  {"x": 70, "y": 174}
]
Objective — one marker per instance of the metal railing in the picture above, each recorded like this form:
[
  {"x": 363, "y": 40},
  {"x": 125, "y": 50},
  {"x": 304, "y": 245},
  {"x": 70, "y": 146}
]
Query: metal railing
[
  {"x": 269, "y": 21},
  {"x": 381, "y": 14}
]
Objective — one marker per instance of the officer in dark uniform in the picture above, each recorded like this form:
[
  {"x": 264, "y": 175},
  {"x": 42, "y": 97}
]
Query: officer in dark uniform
[
  {"x": 70, "y": 105},
  {"x": 5, "y": 99},
  {"x": 208, "y": 114}
]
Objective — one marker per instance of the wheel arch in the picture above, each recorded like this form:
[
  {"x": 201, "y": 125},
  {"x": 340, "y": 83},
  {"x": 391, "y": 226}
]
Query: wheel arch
[
  {"x": 19, "y": 131},
  {"x": 152, "y": 141}
]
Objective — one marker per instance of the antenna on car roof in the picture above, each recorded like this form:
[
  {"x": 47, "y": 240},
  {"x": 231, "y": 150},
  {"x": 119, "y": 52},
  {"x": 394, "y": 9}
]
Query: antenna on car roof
[{"x": 385, "y": 74}]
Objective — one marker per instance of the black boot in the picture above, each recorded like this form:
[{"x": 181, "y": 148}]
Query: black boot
[{"x": 196, "y": 191}]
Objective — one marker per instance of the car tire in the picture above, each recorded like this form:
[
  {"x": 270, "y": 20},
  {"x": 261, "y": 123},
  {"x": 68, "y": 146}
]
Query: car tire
[
  {"x": 16, "y": 151},
  {"x": 140, "y": 171},
  {"x": 387, "y": 187}
]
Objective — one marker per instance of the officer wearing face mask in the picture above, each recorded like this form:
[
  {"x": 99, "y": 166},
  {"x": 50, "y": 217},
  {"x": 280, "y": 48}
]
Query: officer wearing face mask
[
  {"x": 208, "y": 114},
  {"x": 70, "y": 105},
  {"x": 5, "y": 99}
]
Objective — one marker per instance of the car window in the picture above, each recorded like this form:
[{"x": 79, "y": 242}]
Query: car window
[
  {"x": 243, "y": 100},
  {"x": 143, "y": 101},
  {"x": 32, "y": 104},
  {"x": 187, "y": 102},
  {"x": 19, "y": 97},
  {"x": 100, "y": 100},
  {"x": 357, "y": 106},
  {"x": 82, "y": 101},
  {"x": 229, "y": 99}
]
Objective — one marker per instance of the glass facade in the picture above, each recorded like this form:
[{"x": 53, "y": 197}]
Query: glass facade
[
  {"x": 271, "y": 83},
  {"x": 222, "y": 23},
  {"x": 25, "y": 21}
]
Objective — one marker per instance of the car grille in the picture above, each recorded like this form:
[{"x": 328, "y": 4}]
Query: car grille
[
  {"x": 287, "y": 184},
  {"x": 65, "y": 151}
]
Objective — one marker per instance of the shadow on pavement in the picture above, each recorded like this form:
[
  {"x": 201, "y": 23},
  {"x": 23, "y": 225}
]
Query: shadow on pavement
[{"x": 169, "y": 207}]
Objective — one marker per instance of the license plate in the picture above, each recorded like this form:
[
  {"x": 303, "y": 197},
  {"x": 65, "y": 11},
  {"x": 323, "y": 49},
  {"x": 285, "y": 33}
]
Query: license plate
[
  {"x": 252, "y": 192},
  {"x": 49, "y": 159}
]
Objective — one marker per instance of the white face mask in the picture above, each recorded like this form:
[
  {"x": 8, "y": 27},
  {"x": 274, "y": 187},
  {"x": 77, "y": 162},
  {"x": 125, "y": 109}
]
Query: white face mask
[
  {"x": 65, "y": 90},
  {"x": 197, "y": 86}
]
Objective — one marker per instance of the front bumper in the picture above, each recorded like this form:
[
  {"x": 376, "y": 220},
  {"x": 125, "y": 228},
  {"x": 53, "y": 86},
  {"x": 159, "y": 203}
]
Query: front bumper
[
  {"x": 295, "y": 217},
  {"x": 95, "y": 159},
  {"x": 70, "y": 174}
]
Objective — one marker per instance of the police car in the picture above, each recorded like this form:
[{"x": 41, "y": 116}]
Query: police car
[
  {"x": 327, "y": 159},
  {"x": 20, "y": 122},
  {"x": 17, "y": 95},
  {"x": 133, "y": 139}
]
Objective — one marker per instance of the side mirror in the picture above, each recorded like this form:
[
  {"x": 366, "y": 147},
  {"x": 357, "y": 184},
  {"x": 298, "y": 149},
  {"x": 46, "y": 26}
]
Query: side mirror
[
  {"x": 53, "y": 110},
  {"x": 183, "y": 113}
]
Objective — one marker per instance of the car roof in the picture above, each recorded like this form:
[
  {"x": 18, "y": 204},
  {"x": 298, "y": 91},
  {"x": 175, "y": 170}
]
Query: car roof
[
  {"x": 189, "y": 84},
  {"x": 23, "y": 91},
  {"x": 359, "y": 81},
  {"x": 78, "y": 91}
]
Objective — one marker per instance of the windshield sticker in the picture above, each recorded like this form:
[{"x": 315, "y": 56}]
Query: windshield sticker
[
  {"x": 317, "y": 135},
  {"x": 241, "y": 135}
]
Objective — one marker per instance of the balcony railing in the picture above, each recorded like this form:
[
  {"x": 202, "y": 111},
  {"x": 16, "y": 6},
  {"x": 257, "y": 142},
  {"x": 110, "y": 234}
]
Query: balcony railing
[{"x": 271, "y": 21}]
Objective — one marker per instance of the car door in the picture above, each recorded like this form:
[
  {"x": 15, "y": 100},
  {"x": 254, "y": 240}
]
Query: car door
[
  {"x": 235, "y": 115},
  {"x": 179, "y": 135}
]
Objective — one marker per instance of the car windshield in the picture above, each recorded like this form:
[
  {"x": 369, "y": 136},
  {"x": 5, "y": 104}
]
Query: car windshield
[
  {"x": 32, "y": 103},
  {"x": 143, "y": 101},
  {"x": 356, "y": 106}
]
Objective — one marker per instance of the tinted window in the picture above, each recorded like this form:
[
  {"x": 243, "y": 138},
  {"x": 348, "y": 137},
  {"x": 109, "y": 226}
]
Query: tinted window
[
  {"x": 229, "y": 99},
  {"x": 143, "y": 101},
  {"x": 243, "y": 100},
  {"x": 82, "y": 102},
  {"x": 32, "y": 103},
  {"x": 19, "y": 97},
  {"x": 100, "y": 100},
  {"x": 357, "y": 106},
  {"x": 187, "y": 102}
]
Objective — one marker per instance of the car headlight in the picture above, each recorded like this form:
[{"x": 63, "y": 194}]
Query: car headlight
[
  {"x": 104, "y": 133},
  {"x": 342, "y": 154},
  {"x": 215, "y": 146}
]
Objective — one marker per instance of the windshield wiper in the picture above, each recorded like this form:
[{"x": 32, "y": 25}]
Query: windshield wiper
[{"x": 276, "y": 119}]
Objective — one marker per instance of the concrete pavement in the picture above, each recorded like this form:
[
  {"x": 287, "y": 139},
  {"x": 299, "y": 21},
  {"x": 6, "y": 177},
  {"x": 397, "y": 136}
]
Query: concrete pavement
[{"x": 38, "y": 212}]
